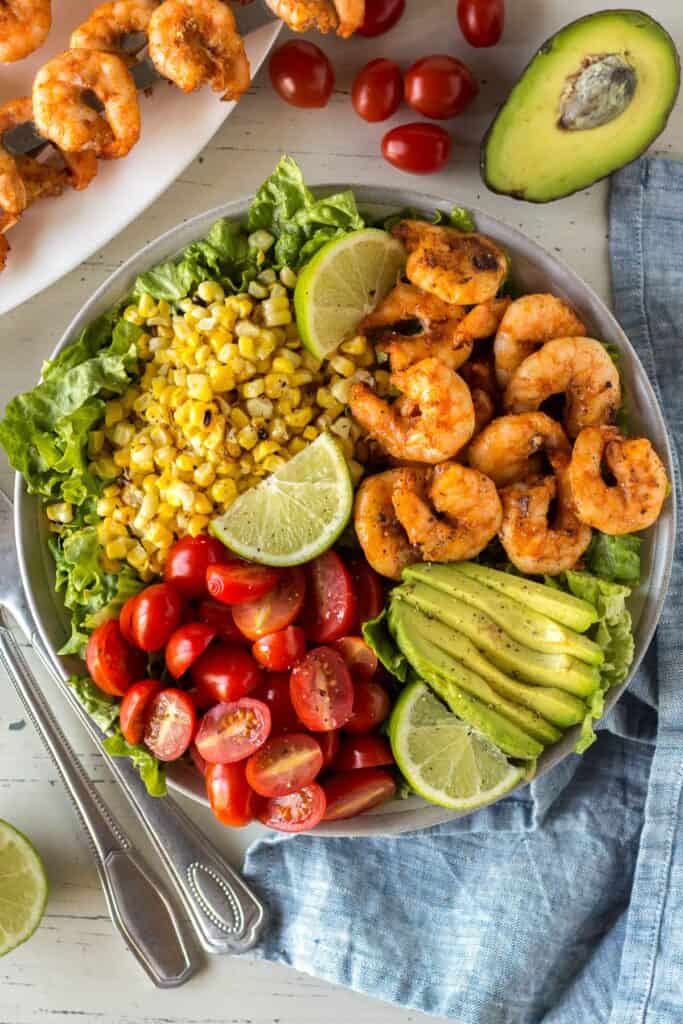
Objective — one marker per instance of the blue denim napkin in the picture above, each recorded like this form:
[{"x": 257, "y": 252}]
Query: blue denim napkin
[{"x": 564, "y": 903}]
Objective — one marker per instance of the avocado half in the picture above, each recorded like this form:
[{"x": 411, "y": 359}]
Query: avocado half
[{"x": 593, "y": 98}]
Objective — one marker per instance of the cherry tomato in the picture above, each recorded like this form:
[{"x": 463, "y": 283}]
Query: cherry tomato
[
  {"x": 329, "y": 744},
  {"x": 277, "y": 610},
  {"x": 186, "y": 645},
  {"x": 417, "y": 148},
  {"x": 321, "y": 690},
  {"x": 197, "y": 759},
  {"x": 113, "y": 664},
  {"x": 281, "y": 650},
  {"x": 369, "y": 751},
  {"x": 239, "y": 582},
  {"x": 360, "y": 659},
  {"x": 274, "y": 692},
  {"x": 188, "y": 561},
  {"x": 371, "y": 706},
  {"x": 301, "y": 74},
  {"x": 380, "y": 16},
  {"x": 232, "y": 731},
  {"x": 171, "y": 723},
  {"x": 135, "y": 708},
  {"x": 284, "y": 764},
  {"x": 351, "y": 793},
  {"x": 126, "y": 619},
  {"x": 219, "y": 617},
  {"x": 296, "y": 812},
  {"x": 369, "y": 590},
  {"x": 377, "y": 90},
  {"x": 330, "y": 607},
  {"x": 157, "y": 612},
  {"x": 440, "y": 86},
  {"x": 481, "y": 21},
  {"x": 224, "y": 673},
  {"x": 231, "y": 799}
]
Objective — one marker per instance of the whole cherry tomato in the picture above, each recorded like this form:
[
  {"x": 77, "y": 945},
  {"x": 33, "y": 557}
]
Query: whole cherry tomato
[
  {"x": 232, "y": 800},
  {"x": 188, "y": 561},
  {"x": 301, "y": 74},
  {"x": 371, "y": 706},
  {"x": 295, "y": 812},
  {"x": 330, "y": 608},
  {"x": 113, "y": 664},
  {"x": 353, "y": 792},
  {"x": 481, "y": 21},
  {"x": 171, "y": 722},
  {"x": 232, "y": 731},
  {"x": 239, "y": 582},
  {"x": 440, "y": 86},
  {"x": 377, "y": 90},
  {"x": 321, "y": 690},
  {"x": 126, "y": 619},
  {"x": 284, "y": 764},
  {"x": 274, "y": 691},
  {"x": 135, "y": 709},
  {"x": 186, "y": 645},
  {"x": 380, "y": 16},
  {"x": 223, "y": 673},
  {"x": 157, "y": 612},
  {"x": 417, "y": 148},
  {"x": 280, "y": 651},
  {"x": 276, "y": 610}
]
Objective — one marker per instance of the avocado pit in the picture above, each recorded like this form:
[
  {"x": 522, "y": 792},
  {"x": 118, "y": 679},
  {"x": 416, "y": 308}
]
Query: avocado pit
[{"x": 599, "y": 92}]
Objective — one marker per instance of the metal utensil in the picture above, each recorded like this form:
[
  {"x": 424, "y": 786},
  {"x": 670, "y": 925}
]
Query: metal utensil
[{"x": 228, "y": 917}]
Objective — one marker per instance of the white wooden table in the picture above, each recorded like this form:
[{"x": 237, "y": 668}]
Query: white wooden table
[{"x": 75, "y": 968}]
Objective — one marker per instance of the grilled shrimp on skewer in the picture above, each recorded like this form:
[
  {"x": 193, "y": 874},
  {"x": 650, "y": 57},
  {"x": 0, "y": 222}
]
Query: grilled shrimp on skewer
[
  {"x": 346, "y": 16},
  {"x": 109, "y": 22},
  {"x": 24, "y": 26}
]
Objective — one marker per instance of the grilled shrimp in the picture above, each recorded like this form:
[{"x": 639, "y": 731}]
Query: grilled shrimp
[
  {"x": 438, "y": 322},
  {"x": 462, "y": 269},
  {"x": 24, "y": 26},
  {"x": 62, "y": 115},
  {"x": 381, "y": 536},
  {"x": 110, "y": 21},
  {"x": 527, "y": 324},
  {"x": 533, "y": 543},
  {"x": 346, "y": 16},
  {"x": 634, "y": 501},
  {"x": 197, "y": 42},
  {"x": 579, "y": 368},
  {"x": 450, "y": 513},
  {"x": 431, "y": 422},
  {"x": 510, "y": 449}
]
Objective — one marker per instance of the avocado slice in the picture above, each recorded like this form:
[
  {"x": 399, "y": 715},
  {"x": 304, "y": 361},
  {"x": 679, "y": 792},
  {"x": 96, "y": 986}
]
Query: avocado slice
[
  {"x": 524, "y": 624},
  {"x": 558, "y": 707},
  {"x": 593, "y": 98},
  {"x": 561, "y": 670},
  {"x": 559, "y": 606}
]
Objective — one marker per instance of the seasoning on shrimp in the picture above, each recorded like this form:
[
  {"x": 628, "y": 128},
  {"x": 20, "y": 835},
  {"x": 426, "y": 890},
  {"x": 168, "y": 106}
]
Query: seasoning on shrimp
[
  {"x": 529, "y": 322},
  {"x": 510, "y": 448},
  {"x": 24, "y": 26},
  {"x": 346, "y": 16},
  {"x": 438, "y": 322},
  {"x": 109, "y": 22},
  {"x": 384, "y": 542}
]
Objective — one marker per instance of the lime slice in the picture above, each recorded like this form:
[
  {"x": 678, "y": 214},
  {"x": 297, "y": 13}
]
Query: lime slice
[
  {"x": 23, "y": 888},
  {"x": 296, "y": 513},
  {"x": 343, "y": 282},
  {"x": 444, "y": 760}
]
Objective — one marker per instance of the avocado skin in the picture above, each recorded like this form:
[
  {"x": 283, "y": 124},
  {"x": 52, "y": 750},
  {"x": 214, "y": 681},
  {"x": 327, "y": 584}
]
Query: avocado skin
[{"x": 546, "y": 48}]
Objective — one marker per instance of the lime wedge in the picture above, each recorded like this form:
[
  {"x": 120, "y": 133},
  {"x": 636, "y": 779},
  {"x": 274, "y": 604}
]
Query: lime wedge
[
  {"x": 23, "y": 888},
  {"x": 343, "y": 282},
  {"x": 444, "y": 760},
  {"x": 296, "y": 513}
]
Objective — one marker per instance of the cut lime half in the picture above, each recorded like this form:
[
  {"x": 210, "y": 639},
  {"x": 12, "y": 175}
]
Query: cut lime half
[
  {"x": 342, "y": 283},
  {"x": 23, "y": 888},
  {"x": 444, "y": 760},
  {"x": 296, "y": 513}
]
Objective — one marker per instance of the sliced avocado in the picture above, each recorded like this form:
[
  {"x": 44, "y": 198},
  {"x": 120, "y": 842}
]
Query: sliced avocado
[
  {"x": 561, "y": 670},
  {"x": 558, "y": 707},
  {"x": 593, "y": 98},
  {"x": 524, "y": 624},
  {"x": 556, "y": 604}
]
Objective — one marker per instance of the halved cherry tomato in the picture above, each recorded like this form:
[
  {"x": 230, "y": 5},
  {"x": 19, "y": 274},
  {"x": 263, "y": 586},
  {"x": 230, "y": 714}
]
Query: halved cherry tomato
[
  {"x": 380, "y": 16},
  {"x": 277, "y": 610},
  {"x": 369, "y": 590},
  {"x": 321, "y": 690},
  {"x": 171, "y": 723},
  {"x": 135, "y": 709},
  {"x": 284, "y": 764},
  {"x": 296, "y": 812},
  {"x": 224, "y": 673},
  {"x": 186, "y": 645},
  {"x": 157, "y": 612},
  {"x": 371, "y": 706},
  {"x": 232, "y": 731},
  {"x": 329, "y": 744},
  {"x": 219, "y": 617},
  {"x": 274, "y": 691},
  {"x": 369, "y": 751},
  {"x": 481, "y": 21},
  {"x": 113, "y": 664},
  {"x": 417, "y": 148},
  {"x": 126, "y": 619},
  {"x": 377, "y": 90},
  {"x": 440, "y": 86},
  {"x": 231, "y": 799},
  {"x": 351, "y": 793},
  {"x": 188, "y": 560},
  {"x": 360, "y": 659},
  {"x": 197, "y": 759},
  {"x": 330, "y": 608},
  {"x": 280, "y": 651},
  {"x": 301, "y": 74},
  {"x": 239, "y": 582}
]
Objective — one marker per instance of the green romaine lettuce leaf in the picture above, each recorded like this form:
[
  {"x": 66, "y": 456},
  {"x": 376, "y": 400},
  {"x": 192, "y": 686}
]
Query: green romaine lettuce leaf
[
  {"x": 614, "y": 558},
  {"x": 151, "y": 770},
  {"x": 376, "y": 634},
  {"x": 102, "y": 708},
  {"x": 459, "y": 218}
]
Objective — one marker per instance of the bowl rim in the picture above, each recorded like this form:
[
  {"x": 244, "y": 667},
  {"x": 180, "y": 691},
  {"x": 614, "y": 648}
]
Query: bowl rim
[{"x": 413, "y": 815}]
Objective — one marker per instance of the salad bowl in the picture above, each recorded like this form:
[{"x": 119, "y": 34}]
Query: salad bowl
[{"x": 534, "y": 270}]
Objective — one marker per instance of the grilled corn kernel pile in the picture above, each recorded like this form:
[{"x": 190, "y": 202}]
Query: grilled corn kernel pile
[{"x": 226, "y": 396}]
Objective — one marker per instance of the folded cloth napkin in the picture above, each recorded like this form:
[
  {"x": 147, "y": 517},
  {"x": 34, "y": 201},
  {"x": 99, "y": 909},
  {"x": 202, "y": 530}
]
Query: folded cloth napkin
[{"x": 559, "y": 904}]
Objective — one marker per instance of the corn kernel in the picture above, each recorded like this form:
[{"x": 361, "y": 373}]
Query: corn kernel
[
  {"x": 198, "y": 387},
  {"x": 132, "y": 315},
  {"x": 341, "y": 390},
  {"x": 165, "y": 456},
  {"x": 278, "y": 430},
  {"x": 300, "y": 418},
  {"x": 210, "y": 291},
  {"x": 202, "y": 505},
  {"x": 342, "y": 365},
  {"x": 259, "y": 408},
  {"x": 95, "y": 442},
  {"x": 288, "y": 277},
  {"x": 197, "y": 525},
  {"x": 301, "y": 377},
  {"x": 119, "y": 548},
  {"x": 276, "y": 385},
  {"x": 142, "y": 458},
  {"x": 247, "y": 437},
  {"x": 355, "y": 346},
  {"x": 61, "y": 512},
  {"x": 166, "y": 512},
  {"x": 259, "y": 291},
  {"x": 224, "y": 492},
  {"x": 239, "y": 418},
  {"x": 105, "y": 506},
  {"x": 276, "y": 318},
  {"x": 227, "y": 467},
  {"x": 137, "y": 557},
  {"x": 222, "y": 378},
  {"x": 159, "y": 536},
  {"x": 253, "y": 388},
  {"x": 263, "y": 449},
  {"x": 310, "y": 433},
  {"x": 282, "y": 364},
  {"x": 113, "y": 414},
  {"x": 185, "y": 463},
  {"x": 297, "y": 445},
  {"x": 106, "y": 468},
  {"x": 180, "y": 495},
  {"x": 261, "y": 240},
  {"x": 273, "y": 463},
  {"x": 147, "y": 306},
  {"x": 204, "y": 475}
]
